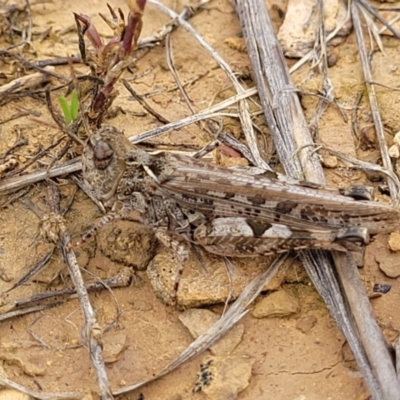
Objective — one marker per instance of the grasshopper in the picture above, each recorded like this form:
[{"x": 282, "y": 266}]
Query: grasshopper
[{"x": 226, "y": 211}]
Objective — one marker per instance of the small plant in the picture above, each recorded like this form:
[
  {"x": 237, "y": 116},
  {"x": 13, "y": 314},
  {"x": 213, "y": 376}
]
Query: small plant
[
  {"x": 108, "y": 60},
  {"x": 71, "y": 110}
]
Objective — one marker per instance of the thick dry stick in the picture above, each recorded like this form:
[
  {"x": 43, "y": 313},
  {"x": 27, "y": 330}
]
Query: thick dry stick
[
  {"x": 288, "y": 126},
  {"x": 280, "y": 103},
  {"x": 26, "y": 82},
  {"x": 19, "y": 182}
]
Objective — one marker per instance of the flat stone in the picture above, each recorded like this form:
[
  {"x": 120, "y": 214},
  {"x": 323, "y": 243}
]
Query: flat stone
[
  {"x": 388, "y": 261},
  {"x": 306, "y": 324},
  {"x": 198, "y": 321},
  {"x": 114, "y": 346},
  {"x": 277, "y": 304},
  {"x": 390, "y": 268},
  {"x": 222, "y": 378}
]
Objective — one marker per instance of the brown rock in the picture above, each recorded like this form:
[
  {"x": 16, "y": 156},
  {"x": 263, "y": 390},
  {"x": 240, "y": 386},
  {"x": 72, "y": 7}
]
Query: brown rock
[
  {"x": 277, "y": 304},
  {"x": 390, "y": 268},
  {"x": 297, "y": 33},
  {"x": 388, "y": 261},
  {"x": 329, "y": 161}
]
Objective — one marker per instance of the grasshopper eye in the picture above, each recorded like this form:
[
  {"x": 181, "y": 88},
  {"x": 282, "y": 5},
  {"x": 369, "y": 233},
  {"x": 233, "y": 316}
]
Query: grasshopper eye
[{"x": 103, "y": 154}]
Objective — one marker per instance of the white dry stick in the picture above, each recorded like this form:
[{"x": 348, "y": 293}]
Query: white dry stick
[
  {"x": 27, "y": 82},
  {"x": 18, "y": 182}
]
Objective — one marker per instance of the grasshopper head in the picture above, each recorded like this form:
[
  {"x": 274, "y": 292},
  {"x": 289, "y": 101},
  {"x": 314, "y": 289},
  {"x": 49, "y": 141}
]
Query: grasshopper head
[{"x": 104, "y": 163}]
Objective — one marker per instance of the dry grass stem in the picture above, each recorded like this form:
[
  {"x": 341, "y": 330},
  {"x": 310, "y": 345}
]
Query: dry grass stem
[{"x": 243, "y": 107}]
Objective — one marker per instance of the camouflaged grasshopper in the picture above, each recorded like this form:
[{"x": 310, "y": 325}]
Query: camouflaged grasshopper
[{"x": 226, "y": 211}]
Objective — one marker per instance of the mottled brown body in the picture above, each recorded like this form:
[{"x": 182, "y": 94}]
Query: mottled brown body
[{"x": 227, "y": 211}]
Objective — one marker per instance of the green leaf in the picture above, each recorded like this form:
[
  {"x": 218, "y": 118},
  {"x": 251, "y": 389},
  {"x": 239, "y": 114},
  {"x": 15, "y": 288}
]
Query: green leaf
[{"x": 65, "y": 109}]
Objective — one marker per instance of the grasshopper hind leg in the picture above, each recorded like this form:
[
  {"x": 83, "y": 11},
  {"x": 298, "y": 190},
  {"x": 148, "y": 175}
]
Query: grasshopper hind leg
[
  {"x": 182, "y": 255},
  {"x": 95, "y": 228}
]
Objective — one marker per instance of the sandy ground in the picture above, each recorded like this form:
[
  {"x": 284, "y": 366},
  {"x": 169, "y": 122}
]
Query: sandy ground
[{"x": 302, "y": 357}]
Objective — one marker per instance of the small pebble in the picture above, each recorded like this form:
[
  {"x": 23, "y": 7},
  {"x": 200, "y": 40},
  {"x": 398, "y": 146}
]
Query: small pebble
[
  {"x": 381, "y": 288},
  {"x": 329, "y": 161},
  {"x": 306, "y": 324},
  {"x": 332, "y": 59},
  {"x": 394, "y": 151},
  {"x": 396, "y": 139},
  {"x": 394, "y": 241},
  {"x": 114, "y": 346}
]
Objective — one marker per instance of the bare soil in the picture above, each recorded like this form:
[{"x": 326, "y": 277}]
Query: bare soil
[{"x": 43, "y": 350}]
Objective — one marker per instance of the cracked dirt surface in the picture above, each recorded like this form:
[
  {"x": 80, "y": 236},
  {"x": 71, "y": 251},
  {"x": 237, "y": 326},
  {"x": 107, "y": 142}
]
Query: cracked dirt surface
[{"x": 290, "y": 360}]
